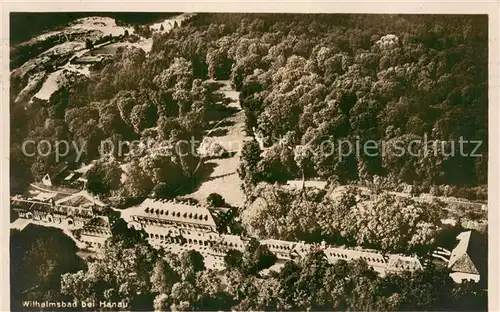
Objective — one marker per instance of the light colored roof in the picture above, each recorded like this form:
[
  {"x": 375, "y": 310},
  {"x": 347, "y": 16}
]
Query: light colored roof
[
  {"x": 176, "y": 211},
  {"x": 20, "y": 224},
  {"x": 233, "y": 242},
  {"x": 45, "y": 196},
  {"x": 90, "y": 58},
  {"x": 195, "y": 234},
  {"x": 72, "y": 174},
  {"x": 403, "y": 263},
  {"x": 460, "y": 260},
  {"x": 310, "y": 183},
  {"x": 81, "y": 199},
  {"x": 301, "y": 249},
  {"x": 351, "y": 254},
  {"x": 278, "y": 245},
  {"x": 461, "y": 247}
]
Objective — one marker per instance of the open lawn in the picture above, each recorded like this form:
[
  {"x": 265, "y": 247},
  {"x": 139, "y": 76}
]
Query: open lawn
[{"x": 220, "y": 174}]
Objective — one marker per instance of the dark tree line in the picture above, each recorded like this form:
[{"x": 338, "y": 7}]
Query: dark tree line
[{"x": 38, "y": 258}]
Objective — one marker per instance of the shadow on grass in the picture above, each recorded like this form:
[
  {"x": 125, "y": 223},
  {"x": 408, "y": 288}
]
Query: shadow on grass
[
  {"x": 202, "y": 175},
  {"x": 221, "y": 176},
  {"x": 226, "y": 123},
  {"x": 221, "y": 112},
  {"x": 218, "y": 132}
]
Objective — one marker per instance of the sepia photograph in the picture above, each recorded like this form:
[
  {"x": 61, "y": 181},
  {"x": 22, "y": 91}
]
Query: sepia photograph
[{"x": 248, "y": 161}]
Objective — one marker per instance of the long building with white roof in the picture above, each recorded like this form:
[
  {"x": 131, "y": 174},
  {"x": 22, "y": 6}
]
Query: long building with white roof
[{"x": 178, "y": 226}]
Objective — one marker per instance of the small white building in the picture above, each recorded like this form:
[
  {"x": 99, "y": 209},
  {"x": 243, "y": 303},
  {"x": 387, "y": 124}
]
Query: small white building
[
  {"x": 297, "y": 184},
  {"x": 469, "y": 258}
]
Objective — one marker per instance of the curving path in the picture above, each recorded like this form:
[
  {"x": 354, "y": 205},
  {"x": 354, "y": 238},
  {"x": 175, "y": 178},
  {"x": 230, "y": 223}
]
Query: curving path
[{"x": 224, "y": 178}]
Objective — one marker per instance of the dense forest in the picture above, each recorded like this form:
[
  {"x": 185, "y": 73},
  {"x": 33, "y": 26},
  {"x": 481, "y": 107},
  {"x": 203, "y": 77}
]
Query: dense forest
[
  {"x": 391, "y": 78},
  {"x": 303, "y": 79},
  {"x": 38, "y": 258}
]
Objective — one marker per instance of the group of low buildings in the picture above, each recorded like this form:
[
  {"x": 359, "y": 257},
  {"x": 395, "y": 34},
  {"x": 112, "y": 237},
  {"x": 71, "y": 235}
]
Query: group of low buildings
[
  {"x": 178, "y": 226},
  {"x": 79, "y": 212}
]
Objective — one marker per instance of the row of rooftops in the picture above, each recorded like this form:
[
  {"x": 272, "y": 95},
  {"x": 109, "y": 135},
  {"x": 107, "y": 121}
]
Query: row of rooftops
[
  {"x": 175, "y": 211},
  {"x": 395, "y": 262},
  {"x": 288, "y": 250},
  {"x": 179, "y": 212}
]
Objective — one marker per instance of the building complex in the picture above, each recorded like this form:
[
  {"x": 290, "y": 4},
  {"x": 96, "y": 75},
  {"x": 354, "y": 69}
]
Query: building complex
[{"x": 177, "y": 226}]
